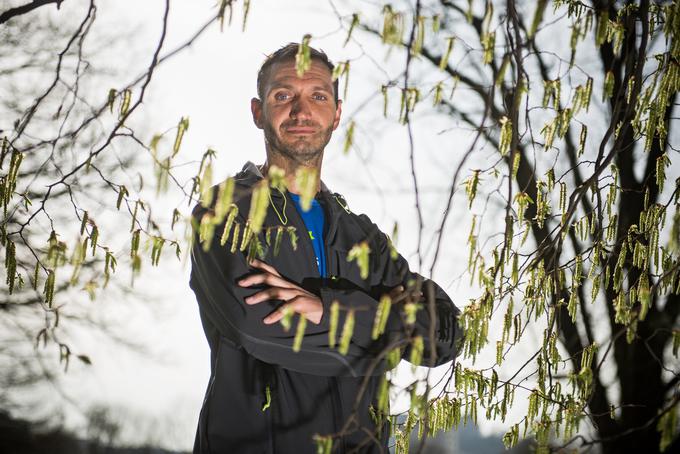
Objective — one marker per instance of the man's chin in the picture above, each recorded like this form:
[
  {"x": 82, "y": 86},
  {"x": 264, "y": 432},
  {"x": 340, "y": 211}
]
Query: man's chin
[
  {"x": 303, "y": 155},
  {"x": 302, "y": 151}
]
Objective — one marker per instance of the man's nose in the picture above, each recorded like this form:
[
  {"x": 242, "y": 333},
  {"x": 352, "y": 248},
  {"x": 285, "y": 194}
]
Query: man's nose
[{"x": 300, "y": 109}]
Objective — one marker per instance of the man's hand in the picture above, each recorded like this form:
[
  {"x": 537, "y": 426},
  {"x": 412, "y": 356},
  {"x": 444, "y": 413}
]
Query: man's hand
[{"x": 295, "y": 298}]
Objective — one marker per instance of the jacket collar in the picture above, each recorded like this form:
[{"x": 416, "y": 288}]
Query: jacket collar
[
  {"x": 252, "y": 173},
  {"x": 335, "y": 204}
]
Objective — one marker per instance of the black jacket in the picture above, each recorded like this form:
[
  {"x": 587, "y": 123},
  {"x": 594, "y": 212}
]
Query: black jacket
[{"x": 262, "y": 396}]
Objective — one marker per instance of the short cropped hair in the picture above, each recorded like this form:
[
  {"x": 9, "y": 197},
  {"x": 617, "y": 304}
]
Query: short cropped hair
[{"x": 288, "y": 52}]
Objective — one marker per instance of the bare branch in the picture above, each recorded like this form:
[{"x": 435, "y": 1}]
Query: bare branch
[{"x": 27, "y": 8}]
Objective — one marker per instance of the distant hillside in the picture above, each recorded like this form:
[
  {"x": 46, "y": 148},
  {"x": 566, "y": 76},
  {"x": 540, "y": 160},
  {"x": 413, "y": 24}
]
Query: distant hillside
[{"x": 20, "y": 437}]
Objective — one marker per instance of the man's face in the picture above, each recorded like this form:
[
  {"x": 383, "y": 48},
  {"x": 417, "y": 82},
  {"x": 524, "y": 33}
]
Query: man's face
[{"x": 298, "y": 114}]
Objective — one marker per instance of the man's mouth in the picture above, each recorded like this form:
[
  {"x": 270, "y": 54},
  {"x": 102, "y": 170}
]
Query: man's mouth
[{"x": 300, "y": 130}]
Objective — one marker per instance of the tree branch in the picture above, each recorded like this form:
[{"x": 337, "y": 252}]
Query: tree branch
[{"x": 27, "y": 8}]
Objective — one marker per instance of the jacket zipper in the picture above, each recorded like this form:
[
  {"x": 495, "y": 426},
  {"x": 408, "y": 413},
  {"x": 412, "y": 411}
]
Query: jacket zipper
[
  {"x": 337, "y": 411},
  {"x": 331, "y": 272},
  {"x": 270, "y": 430},
  {"x": 297, "y": 222},
  {"x": 301, "y": 228}
]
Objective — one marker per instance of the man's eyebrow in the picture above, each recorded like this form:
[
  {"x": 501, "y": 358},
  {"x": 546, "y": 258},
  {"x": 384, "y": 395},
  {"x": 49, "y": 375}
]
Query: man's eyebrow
[
  {"x": 280, "y": 85},
  {"x": 275, "y": 85}
]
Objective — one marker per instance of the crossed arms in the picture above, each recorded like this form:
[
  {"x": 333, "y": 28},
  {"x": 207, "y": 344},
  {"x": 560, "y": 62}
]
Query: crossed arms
[{"x": 245, "y": 301}]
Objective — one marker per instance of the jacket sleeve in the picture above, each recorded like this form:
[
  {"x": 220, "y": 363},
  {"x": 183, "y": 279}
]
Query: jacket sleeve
[
  {"x": 436, "y": 313},
  {"x": 214, "y": 279}
]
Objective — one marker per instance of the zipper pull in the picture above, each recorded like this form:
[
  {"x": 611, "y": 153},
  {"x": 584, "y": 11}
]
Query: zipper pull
[{"x": 342, "y": 202}]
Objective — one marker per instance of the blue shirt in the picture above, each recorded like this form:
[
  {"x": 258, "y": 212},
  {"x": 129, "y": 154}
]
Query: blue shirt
[{"x": 314, "y": 221}]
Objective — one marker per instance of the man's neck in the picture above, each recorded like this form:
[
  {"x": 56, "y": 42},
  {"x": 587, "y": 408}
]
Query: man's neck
[{"x": 291, "y": 169}]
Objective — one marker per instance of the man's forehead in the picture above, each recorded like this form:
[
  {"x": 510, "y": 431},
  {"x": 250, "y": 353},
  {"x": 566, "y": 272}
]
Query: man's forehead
[{"x": 285, "y": 72}]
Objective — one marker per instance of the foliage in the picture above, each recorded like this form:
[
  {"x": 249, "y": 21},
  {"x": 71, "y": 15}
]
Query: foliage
[
  {"x": 588, "y": 253},
  {"x": 70, "y": 187}
]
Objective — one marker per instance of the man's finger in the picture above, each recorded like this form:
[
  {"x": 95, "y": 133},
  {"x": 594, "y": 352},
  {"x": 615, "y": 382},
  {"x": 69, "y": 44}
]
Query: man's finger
[
  {"x": 297, "y": 305},
  {"x": 265, "y": 278},
  {"x": 272, "y": 293},
  {"x": 255, "y": 263},
  {"x": 275, "y": 316}
]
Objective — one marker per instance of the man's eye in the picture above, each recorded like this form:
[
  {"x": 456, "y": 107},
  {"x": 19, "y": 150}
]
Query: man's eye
[
  {"x": 320, "y": 97},
  {"x": 281, "y": 96}
]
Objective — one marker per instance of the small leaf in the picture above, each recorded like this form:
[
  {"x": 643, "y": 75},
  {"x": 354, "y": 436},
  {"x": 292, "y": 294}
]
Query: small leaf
[
  {"x": 393, "y": 358},
  {"x": 324, "y": 444},
  {"x": 49, "y": 287},
  {"x": 417, "y": 44},
  {"x": 206, "y": 186},
  {"x": 352, "y": 26},
  {"x": 417, "y": 349},
  {"x": 293, "y": 237},
  {"x": 299, "y": 333},
  {"x": 234, "y": 238},
  {"x": 125, "y": 103},
  {"x": 122, "y": 192},
  {"x": 83, "y": 223},
  {"x": 393, "y": 26},
  {"x": 306, "y": 180},
  {"x": 84, "y": 359},
  {"x": 382, "y": 314},
  {"x": 111, "y": 99},
  {"x": 347, "y": 331},
  {"x": 247, "y": 235},
  {"x": 360, "y": 253},
  {"x": 277, "y": 178},
  {"x": 333, "y": 324},
  {"x": 383, "y": 395},
  {"x": 259, "y": 202},
  {"x": 227, "y": 226},
  {"x": 287, "y": 319},
  {"x": 246, "y": 10},
  {"x": 182, "y": 127},
  {"x": 506, "y": 136},
  {"x": 608, "y": 89},
  {"x": 349, "y": 137},
  {"x": 471, "y": 187},
  {"x": 134, "y": 243},
  {"x": 444, "y": 62},
  {"x": 302, "y": 59},
  {"x": 277, "y": 240},
  {"x": 154, "y": 144},
  {"x": 410, "y": 311},
  {"x": 225, "y": 197},
  {"x": 538, "y": 17}
]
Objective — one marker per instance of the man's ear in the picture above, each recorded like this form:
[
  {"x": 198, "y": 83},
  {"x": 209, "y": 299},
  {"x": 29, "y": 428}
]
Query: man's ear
[
  {"x": 256, "y": 110},
  {"x": 338, "y": 112}
]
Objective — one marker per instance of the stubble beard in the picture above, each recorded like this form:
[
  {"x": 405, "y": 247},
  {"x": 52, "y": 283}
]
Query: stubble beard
[{"x": 305, "y": 150}]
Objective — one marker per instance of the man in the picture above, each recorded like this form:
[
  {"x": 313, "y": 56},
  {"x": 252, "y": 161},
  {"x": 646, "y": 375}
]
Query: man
[{"x": 269, "y": 393}]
